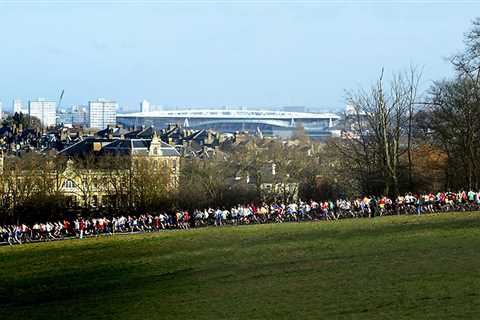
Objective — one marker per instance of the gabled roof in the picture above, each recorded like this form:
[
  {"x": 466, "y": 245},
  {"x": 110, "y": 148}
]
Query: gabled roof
[
  {"x": 138, "y": 147},
  {"x": 127, "y": 147},
  {"x": 200, "y": 134},
  {"x": 84, "y": 147},
  {"x": 167, "y": 150},
  {"x": 132, "y": 134},
  {"x": 132, "y": 146},
  {"x": 115, "y": 132},
  {"x": 146, "y": 133}
]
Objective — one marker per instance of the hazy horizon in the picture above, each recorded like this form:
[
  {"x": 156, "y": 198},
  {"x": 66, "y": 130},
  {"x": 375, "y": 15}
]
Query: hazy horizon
[{"x": 217, "y": 54}]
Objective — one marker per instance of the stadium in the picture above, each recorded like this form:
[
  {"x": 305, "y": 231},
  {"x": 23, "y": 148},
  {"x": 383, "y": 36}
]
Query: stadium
[{"x": 272, "y": 123}]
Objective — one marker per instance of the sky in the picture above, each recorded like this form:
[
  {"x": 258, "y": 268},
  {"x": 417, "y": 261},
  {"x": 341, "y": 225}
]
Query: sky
[{"x": 219, "y": 53}]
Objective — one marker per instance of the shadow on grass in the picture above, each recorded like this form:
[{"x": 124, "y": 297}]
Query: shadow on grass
[
  {"x": 83, "y": 284},
  {"x": 104, "y": 279}
]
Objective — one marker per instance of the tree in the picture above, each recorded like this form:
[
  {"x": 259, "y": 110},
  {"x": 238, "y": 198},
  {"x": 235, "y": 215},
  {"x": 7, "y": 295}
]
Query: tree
[
  {"x": 205, "y": 183},
  {"x": 22, "y": 121},
  {"x": 454, "y": 114},
  {"x": 455, "y": 121},
  {"x": 117, "y": 182},
  {"x": 382, "y": 132},
  {"x": 84, "y": 173},
  {"x": 149, "y": 184},
  {"x": 251, "y": 161}
]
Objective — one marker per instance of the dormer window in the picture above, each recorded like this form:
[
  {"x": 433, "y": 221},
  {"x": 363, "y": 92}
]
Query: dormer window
[{"x": 68, "y": 184}]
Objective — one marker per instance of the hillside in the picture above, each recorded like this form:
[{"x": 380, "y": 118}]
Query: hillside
[{"x": 394, "y": 267}]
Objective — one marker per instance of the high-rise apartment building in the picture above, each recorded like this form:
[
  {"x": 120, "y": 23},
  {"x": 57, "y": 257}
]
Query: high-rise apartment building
[
  {"x": 102, "y": 113},
  {"x": 44, "y": 110}
]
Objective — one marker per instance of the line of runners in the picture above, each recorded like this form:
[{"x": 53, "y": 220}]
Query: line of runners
[{"x": 244, "y": 214}]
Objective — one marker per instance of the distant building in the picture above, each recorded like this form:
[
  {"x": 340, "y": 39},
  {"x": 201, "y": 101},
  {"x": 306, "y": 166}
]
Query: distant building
[
  {"x": 79, "y": 115},
  {"x": 44, "y": 110},
  {"x": 294, "y": 109},
  {"x": 269, "y": 123},
  {"x": 64, "y": 117},
  {"x": 17, "y": 106},
  {"x": 102, "y": 113},
  {"x": 145, "y": 106}
]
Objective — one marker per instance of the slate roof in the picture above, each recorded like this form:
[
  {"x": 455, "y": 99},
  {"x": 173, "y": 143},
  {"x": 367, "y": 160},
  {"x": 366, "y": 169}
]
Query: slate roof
[
  {"x": 168, "y": 150},
  {"x": 6, "y": 132},
  {"x": 117, "y": 147},
  {"x": 132, "y": 134},
  {"x": 115, "y": 132},
  {"x": 84, "y": 147},
  {"x": 127, "y": 147},
  {"x": 146, "y": 133}
]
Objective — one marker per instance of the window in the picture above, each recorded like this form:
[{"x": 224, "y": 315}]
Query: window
[{"x": 68, "y": 184}]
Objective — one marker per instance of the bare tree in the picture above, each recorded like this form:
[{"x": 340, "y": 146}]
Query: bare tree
[
  {"x": 21, "y": 181},
  {"x": 150, "y": 183},
  {"x": 381, "y": 126},
  {"x": 84, "y": 173},
  {"x": 454, "y": 113},
  {"x": 117, "y": 182}
]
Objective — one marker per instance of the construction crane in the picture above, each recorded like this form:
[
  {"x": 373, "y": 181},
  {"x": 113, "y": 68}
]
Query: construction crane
[{"x": 60, "y": 100}]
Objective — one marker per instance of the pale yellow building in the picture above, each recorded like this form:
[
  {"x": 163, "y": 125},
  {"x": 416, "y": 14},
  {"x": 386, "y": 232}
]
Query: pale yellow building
[{"x": 95, "y": 171}]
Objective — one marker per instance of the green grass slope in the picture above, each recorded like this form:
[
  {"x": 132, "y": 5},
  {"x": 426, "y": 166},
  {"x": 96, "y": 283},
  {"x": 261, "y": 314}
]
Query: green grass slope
[{"x": 393, "y": 267}]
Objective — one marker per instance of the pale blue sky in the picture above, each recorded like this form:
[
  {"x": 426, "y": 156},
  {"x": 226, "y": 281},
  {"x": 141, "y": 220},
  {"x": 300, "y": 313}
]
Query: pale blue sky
[{"x": 215, "y": 54}]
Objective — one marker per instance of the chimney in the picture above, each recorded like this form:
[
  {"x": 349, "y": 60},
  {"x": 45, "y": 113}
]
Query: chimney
[
  {"x": 209, "y": 137},
  {"x": 1, "y": 161}
]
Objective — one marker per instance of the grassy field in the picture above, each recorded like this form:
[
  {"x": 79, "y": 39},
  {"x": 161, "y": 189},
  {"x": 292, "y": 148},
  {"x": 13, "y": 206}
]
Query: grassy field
[{"x": 393, "y": 267}]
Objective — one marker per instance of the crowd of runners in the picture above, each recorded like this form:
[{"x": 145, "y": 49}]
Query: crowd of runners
[{"x": 243, "y": 214}]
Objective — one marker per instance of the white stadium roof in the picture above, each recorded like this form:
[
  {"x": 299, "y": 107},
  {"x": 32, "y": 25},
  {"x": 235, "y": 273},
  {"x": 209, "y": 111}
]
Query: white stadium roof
[{"x": 220, "y": 114}]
